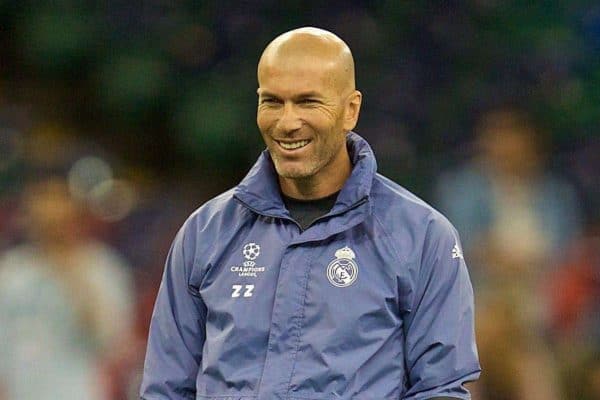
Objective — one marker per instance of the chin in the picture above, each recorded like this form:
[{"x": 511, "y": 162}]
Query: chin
[
  {"x": 296, "y": 169},
  {"x": 293, "y": 174}
]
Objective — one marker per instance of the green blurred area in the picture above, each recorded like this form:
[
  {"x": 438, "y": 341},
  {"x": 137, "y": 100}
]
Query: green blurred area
[{"x": 182, "y": 73}]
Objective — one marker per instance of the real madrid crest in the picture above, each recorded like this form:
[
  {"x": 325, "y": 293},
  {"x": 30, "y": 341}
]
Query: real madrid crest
[{"x": 343, "y": 271}]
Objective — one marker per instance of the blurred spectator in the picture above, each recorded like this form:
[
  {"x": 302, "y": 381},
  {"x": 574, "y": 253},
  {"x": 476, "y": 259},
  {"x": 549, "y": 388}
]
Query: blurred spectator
[
  {"x": 574, "y": 297},
  {"x": 65, "y": 301},
  {"x": 516, "y": 219},
  {"x": 506, "y": 194},
  {"x": 574, "y": 292}
]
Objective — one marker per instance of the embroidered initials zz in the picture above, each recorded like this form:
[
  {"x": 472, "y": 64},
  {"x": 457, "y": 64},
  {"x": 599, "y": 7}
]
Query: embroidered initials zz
[{"x": 237, "y": 289}]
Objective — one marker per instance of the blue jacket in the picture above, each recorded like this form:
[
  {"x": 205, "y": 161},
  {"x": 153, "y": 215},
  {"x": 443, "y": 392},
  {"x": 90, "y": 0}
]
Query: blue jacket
[{"x": 372, "y": 302}]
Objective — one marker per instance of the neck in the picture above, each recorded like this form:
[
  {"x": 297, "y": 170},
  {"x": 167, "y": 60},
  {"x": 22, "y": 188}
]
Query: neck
[{"x": 327, "y": 181}]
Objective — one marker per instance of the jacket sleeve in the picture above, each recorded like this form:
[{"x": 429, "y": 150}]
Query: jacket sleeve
[
  {"x": 440, "y": 352},
  {"x": 177, "y": 330}
]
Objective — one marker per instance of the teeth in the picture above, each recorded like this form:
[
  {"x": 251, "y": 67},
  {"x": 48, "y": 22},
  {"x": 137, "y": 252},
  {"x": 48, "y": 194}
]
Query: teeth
[{"x": 294, "y": 145}]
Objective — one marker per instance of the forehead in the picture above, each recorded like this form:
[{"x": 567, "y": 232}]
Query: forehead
[{"x": 288, "y": 78}]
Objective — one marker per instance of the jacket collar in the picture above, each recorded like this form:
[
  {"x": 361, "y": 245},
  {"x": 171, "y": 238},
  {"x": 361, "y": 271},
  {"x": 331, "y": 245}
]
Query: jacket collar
[{"x": 259, "y": 190}]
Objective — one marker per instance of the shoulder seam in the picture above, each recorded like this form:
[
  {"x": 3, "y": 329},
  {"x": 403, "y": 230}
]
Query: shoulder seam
[{"x": 389, "y": 237}]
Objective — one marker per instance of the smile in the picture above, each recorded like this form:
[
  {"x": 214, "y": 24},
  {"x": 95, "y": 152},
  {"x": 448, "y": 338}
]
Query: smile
[{"x": 293, "y": 145}]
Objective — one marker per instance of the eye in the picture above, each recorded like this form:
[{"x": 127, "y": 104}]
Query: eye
[{"x": 268, "y": 100}]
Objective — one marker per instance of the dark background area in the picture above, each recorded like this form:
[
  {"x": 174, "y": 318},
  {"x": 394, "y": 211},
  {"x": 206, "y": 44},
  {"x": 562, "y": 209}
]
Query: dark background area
[{"x": 170, "y": 86}]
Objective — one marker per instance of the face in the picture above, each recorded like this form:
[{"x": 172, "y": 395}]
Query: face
[
  {"x": 303, "y": 118},
  {"x": 53, "y": 215}
]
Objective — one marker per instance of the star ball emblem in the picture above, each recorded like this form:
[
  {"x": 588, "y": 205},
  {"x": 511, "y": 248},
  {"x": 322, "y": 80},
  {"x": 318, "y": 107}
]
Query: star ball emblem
[
  {"x": 343, "y": 271},
  {"x": 251, "y": 251}
]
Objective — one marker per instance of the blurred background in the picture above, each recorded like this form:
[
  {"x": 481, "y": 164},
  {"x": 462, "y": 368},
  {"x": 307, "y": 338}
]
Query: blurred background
[{"x": 119, "y": 118}]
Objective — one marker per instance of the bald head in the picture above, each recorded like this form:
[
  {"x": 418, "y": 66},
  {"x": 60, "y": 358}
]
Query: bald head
[
  {"x": 314, "y": 47},
  {"x": 307, "y": 103}
]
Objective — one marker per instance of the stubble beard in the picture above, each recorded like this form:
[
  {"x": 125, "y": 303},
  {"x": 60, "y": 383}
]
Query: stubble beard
[{"x": 304, "y": 170}]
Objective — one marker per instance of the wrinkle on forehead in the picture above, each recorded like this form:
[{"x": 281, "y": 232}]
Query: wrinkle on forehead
[{"x": 312, "y": 47}]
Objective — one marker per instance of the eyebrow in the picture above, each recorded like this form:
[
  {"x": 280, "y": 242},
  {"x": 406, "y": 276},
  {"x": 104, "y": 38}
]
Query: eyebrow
[{"x": 308, "y": 94}]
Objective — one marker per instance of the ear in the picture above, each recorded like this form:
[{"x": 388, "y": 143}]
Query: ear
[{"x": 352, "y": 110}]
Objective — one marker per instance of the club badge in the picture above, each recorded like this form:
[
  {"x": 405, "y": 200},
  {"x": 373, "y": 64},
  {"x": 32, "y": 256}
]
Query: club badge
[{"x": 343, "y": 271}]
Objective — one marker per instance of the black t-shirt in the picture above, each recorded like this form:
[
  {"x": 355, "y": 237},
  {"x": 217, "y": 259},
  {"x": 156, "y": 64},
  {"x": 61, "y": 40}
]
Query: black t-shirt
[{"x": 305, "y": 212}]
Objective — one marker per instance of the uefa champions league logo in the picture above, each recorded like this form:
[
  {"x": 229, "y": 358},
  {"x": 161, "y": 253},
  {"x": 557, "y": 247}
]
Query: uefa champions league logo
[
  {"x": 343, "y": 271},
  {"x": 248, "y": 268}
]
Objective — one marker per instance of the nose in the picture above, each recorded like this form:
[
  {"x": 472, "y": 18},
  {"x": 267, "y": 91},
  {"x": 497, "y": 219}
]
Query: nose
[{"x": 290, "y": 121}]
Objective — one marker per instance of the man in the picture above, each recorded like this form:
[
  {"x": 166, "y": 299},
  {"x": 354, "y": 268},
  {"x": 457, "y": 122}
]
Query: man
[
  {"x": 65, "y": 299},
  {"x": 314, "y": 278}
]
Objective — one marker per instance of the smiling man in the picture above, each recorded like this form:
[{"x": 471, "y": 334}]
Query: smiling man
[
  {"x": 307, "y": 103},
  {"x": 315, "y": 277}
]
